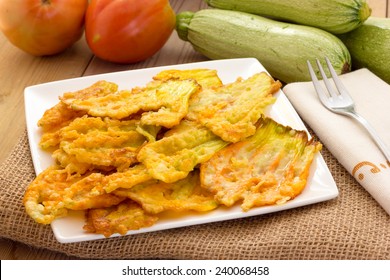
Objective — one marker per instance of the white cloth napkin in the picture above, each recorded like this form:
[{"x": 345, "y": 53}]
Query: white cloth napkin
[{"x": 344, "y": 137}]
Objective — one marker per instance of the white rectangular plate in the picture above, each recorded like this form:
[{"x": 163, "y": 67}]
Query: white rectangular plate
[{"x": 39, "y": 98}]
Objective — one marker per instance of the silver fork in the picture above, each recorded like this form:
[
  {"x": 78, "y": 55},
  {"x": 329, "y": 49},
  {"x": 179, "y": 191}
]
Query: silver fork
[{"x": 340, "y": 102}]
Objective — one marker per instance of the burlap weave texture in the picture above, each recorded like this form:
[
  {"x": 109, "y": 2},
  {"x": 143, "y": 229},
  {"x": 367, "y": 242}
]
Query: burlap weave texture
[{"x": 352, "y": 226}]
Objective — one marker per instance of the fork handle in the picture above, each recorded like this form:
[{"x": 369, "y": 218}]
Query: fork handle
[{"x": 374, "y": 135}]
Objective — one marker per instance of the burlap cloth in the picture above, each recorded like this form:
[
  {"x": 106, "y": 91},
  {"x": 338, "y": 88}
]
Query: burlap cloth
[{"x": 352, "y": 226}]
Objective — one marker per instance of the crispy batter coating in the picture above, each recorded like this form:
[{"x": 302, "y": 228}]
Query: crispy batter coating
[
  {"x": 205, "y": 77},
  {"x": 165, "y": 103},
  {"x": 185, "y": 194},
  {"x": 179, "y": 151},
  {"x": 98, "y": 89},
  {"x": 61, "y": 114},
  {"x": 231, "y": 111},
  {"x": 43, "y": 199},
  {"x": 119, "y": 105},
  {"x": 58, "y": 116},
  {"x": 173, "y": 104},
  {"x": 271, "y": 167},
  {"x": 118, "y": 219},
  {"x": 89, "y": 193},
  {"x": 72, "y": 166},
  {"x": 127, "y": 179},
  {"x": 53, "y": 192},
  {"x": 99, "y": 142},
  {"x": 50, "y": 140}
]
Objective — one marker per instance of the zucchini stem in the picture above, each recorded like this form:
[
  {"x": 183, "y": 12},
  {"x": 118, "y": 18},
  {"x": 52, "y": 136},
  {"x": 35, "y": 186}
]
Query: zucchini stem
[{"x": 183, "y": 21}]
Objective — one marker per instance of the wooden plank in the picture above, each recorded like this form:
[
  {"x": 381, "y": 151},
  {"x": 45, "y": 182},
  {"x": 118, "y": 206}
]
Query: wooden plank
[
  {"x": 19, "y": 70},
  {"x": 379, "y": 7}
]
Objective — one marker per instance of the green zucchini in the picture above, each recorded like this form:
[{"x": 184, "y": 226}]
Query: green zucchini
[
  {"x": 282, "y": 48},
  {"x": 369, "y": 46},
  {"x": 335, "y": 16}
]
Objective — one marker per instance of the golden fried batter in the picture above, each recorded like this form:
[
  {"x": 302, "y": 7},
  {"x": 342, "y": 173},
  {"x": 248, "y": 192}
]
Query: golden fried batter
[
  {"x": 231, "y": 111},
  {"x": 89, "y": 193},
  {"x": 128, "y": 178},
  {"x": 50, "y": 139},
  {"x": 71, "y": 165},
  {"x": 118, "y": 219},
  {"x": 271, "y": 167},
  {"x": 57, "y": 117},
  {"x": 43, "y": 199},
  {"x": 53, "y": 192},
  {"x": 179, "y": 151},
  {"x": 61, "y": 114},
  {"x": 205, "y": 77},
  {"x": 98, "y": 89},
  {"x": 173, "y": 104},
  {"x": 100, "y": 142},
  {"x": 185, "y": 194},
  {"x": 165, "y": 103}
]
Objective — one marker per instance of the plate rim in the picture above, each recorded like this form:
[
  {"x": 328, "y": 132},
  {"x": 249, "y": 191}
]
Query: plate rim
[{"x": 331, "y": 193}]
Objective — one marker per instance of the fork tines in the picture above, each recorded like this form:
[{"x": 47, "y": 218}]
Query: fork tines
[{"x": 341, "y": 102}]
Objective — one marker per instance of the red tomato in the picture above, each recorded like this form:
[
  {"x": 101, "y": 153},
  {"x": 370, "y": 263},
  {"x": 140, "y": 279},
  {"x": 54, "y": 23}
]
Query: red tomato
[
  {"x": 42, "y": 27},
  {"x": 128, "y": 31}
]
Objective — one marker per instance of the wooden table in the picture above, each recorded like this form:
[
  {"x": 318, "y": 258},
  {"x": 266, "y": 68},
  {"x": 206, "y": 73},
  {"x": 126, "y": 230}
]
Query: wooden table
[{"x": 19, "y": 70}]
